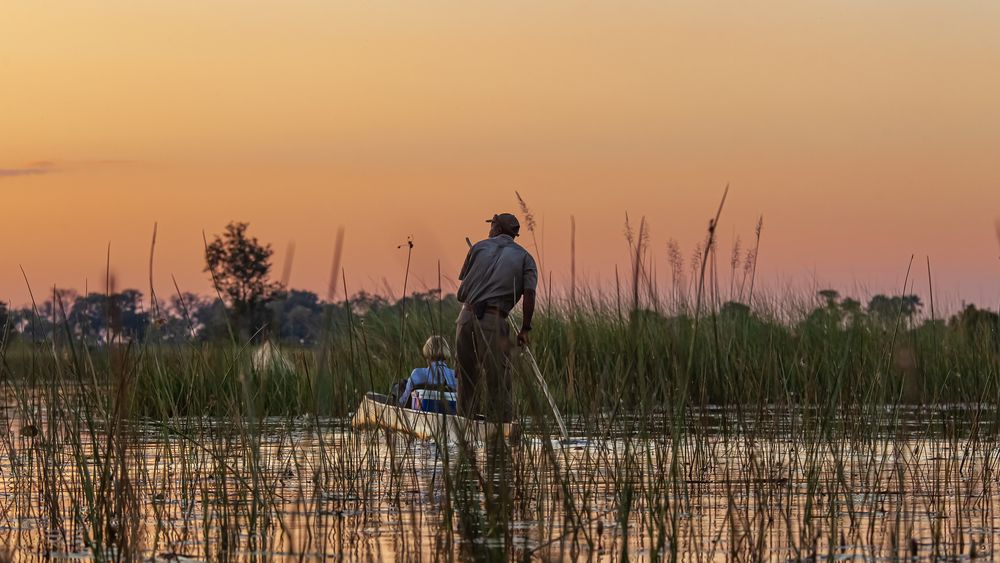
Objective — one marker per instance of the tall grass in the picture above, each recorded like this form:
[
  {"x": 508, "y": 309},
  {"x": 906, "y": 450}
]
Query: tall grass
[
  {"x": 764, "y": 432},
  {"x": 701, "y": 429},
  {"x": 649, "y": 358}
]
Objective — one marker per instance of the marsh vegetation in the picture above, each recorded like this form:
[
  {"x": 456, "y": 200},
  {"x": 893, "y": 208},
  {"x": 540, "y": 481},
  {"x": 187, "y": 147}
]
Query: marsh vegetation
[{"x": 708, "y": 421}]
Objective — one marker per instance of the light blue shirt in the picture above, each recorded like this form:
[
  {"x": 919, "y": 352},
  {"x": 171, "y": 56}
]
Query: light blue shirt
[
  {"x": 497, "y": 271},
  {"x": 437, "y": 374}
]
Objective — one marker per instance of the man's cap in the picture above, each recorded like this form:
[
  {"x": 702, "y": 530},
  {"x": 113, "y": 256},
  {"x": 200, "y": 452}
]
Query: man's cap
[{"x": 507, "y": 222}]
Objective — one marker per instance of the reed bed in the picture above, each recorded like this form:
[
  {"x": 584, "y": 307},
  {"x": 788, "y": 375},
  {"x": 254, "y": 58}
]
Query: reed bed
[
  {"x": 699, "y": 431},
  {"x": 708, "y": 421}
]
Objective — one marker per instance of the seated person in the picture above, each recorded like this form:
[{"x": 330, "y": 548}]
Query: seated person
[{"x": 437, "y": 374}]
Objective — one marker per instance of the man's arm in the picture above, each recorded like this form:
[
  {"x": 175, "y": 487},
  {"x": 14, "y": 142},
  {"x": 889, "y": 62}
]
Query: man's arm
[
  {"x": 528, "y": 311},
  {"x": 528, "y": 304}
]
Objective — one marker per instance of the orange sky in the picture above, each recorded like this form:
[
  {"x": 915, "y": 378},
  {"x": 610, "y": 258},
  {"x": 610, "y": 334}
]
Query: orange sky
[{"x": 864, "y": 132}]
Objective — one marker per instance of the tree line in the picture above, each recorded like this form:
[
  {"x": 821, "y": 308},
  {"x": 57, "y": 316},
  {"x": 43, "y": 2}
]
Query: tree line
[
  {"x": 249, "y": 306},
  {"x": 288, "y": 316}
]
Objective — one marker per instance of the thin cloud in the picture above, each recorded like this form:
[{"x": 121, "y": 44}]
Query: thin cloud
[
  {"x": 36, "y": 168},
  {"x": 41, "y": 167}
]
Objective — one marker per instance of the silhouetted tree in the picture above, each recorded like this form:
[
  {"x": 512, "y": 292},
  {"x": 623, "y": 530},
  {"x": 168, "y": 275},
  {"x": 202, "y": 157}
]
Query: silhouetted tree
[
  {"x": 240, "y": 266},
  {"x": 176, "y": 324},
  {"x": 127, "y": 316},
  {"x": 734, "y": 310},
  {"x": 87, "y": 318},
  {"x": 96, "y": 317},
  {"x": 32, "y": 325},
  {"x": 839, "y": 313},
  {"x": 851, "y": 306},
  {"x": 364, "y": 303},
  {"x": 298, "y": 316},
  {"x": 211, "y": 319},
  {"x": 8, "y": 323},
  {"x": 888, "y": 309},
  {"x": 977, "y": 323},
  {"x": 830, "y": 296}
]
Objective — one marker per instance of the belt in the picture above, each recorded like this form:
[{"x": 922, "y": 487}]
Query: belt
[{"x": 493, "y": 309}]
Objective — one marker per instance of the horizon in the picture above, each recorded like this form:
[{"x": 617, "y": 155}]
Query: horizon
[
  {"x": 951, "y": 292},
  {"x": 863, "y": 134},
  {"x": 774, "y": 291}
]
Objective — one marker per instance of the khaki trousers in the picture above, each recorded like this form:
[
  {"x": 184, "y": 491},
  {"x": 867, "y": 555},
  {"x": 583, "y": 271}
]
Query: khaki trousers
[{"x": 484, "y": 372}]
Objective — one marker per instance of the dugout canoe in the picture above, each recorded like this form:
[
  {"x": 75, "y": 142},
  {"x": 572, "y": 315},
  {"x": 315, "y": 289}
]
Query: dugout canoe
[{"x": 375, "y": 411}]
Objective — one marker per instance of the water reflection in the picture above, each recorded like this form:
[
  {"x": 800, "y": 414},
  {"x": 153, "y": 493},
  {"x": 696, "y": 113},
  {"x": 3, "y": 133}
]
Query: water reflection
[{"x": 773, "y": 484}]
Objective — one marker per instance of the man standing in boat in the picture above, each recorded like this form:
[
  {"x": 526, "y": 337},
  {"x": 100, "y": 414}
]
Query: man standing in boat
[{"x": 497, "y": 273}]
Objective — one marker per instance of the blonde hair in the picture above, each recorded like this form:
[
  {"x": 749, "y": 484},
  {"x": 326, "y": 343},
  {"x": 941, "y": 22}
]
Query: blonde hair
[{"x": 436, "y": 349}]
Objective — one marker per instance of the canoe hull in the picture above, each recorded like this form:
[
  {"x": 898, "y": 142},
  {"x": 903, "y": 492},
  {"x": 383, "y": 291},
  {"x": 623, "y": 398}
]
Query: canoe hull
[{"x": 374, "y": 411}]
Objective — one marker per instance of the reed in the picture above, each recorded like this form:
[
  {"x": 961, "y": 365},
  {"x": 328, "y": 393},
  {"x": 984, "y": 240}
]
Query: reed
[{"x": 798, "y": 428}]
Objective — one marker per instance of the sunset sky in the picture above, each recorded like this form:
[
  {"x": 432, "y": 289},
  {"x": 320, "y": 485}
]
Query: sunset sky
[{"x": 864, "y": 132}]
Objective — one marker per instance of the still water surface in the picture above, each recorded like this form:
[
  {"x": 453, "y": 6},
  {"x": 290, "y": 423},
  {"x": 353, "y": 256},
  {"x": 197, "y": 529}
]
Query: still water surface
[{"x": 724, "y": 485}]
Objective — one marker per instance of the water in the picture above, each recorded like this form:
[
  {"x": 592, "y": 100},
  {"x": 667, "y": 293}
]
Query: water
[{"x": 776, "y": 484}]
